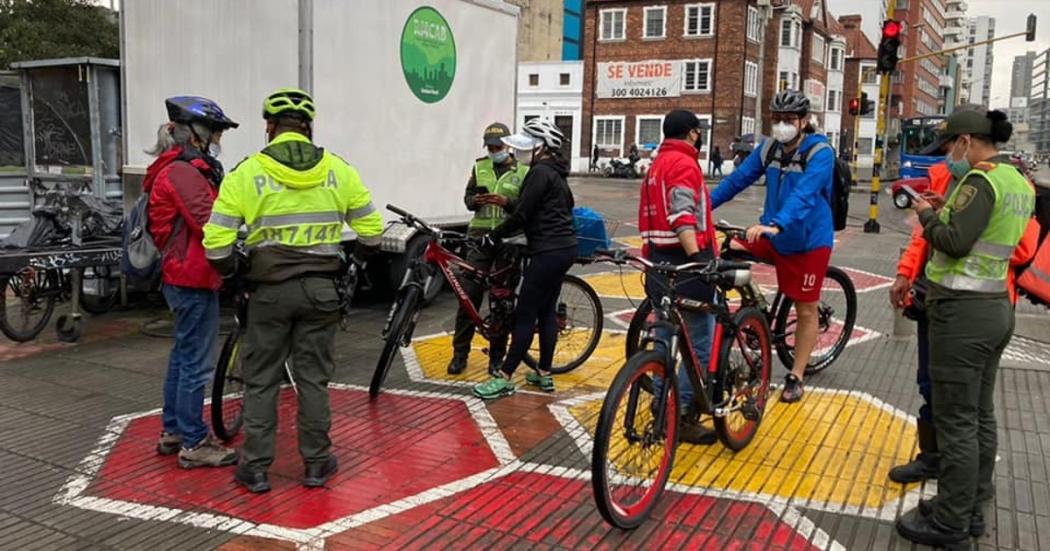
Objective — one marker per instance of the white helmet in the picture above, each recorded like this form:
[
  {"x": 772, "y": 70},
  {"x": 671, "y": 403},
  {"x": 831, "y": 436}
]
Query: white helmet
[{"x": 535, "y": 132}]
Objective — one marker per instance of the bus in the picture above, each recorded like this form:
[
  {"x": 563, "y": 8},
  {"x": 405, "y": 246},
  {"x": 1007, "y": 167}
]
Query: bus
[{"x": 917, "y": 133}]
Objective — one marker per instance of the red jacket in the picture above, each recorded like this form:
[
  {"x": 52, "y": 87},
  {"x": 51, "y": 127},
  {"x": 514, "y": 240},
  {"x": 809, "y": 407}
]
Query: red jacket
[
  {"x": 913, "y": 261},
  {"x": 181, "y": 196},
  {"x": 675, "y": 199}
]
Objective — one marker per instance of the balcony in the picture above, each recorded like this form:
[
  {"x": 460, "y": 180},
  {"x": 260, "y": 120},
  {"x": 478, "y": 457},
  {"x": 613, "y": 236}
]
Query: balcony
[
  {"x": 946, "y": 81},
  {"x": 954, "y": 13}
]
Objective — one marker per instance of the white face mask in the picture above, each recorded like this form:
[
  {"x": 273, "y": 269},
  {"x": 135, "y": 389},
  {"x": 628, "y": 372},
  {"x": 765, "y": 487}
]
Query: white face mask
[
  {"x": 214, "y": 150},
  {"x": 784, "y": 132}
]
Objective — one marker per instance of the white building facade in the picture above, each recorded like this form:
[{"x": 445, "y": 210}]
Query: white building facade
[
  {"x": 978, "y": 65},
  {"x": 554, "y": 90}
]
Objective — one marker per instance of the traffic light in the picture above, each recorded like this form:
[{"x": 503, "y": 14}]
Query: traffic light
[
  {"x": 854, "y": 107},
  {"x": 1029, "y": 32},
  {"x": 866, "y": 105},
  {"x": 891, "y": 41}
]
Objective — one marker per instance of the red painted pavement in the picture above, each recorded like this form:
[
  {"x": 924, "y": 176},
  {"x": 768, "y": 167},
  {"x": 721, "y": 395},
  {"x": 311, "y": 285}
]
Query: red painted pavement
[
  {"x": 390, "y": 449},
  {"x": 543, "y": 511}
]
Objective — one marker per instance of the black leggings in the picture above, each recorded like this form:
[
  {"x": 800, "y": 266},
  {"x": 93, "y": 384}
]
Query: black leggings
[{"x": 537, "y": 307}]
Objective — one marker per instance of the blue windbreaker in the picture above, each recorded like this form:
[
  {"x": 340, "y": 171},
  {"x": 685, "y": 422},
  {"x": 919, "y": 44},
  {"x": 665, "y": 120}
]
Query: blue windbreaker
[{"x": 799, "y": 203}]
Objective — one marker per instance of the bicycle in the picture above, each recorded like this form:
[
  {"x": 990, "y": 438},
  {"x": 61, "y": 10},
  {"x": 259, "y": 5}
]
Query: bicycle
[
  {"x": 228, "y": 379},
  {"x": 37, "y": 291},
  {"x": 580, "y": 315},
  {"x": 636, "y": 436},
  {"x": 838, "y": 297}
]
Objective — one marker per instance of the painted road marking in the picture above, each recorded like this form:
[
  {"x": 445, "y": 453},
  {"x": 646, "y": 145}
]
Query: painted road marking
[{"x": 819, "y": 453}]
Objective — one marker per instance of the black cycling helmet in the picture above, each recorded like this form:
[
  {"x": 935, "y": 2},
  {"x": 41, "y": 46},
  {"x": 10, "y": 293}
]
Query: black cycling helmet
[
  {"x": 790, "y": 101},
  {"x": 189, "y": 109}
]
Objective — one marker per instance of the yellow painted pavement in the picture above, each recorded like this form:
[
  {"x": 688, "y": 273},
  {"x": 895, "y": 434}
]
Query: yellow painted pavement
[{"x": 830, "y": 448}]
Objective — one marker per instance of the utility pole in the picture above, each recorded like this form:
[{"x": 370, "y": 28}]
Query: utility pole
[{"x": 764, "y": 9}]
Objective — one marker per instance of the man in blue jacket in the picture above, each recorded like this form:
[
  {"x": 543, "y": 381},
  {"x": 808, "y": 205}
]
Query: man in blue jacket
[{"x": 796, "y": 230}]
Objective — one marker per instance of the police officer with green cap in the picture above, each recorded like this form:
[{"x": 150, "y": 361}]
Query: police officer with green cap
[
  {"x": 492, "y": 193},
  {"x": 972, "y": 235}
]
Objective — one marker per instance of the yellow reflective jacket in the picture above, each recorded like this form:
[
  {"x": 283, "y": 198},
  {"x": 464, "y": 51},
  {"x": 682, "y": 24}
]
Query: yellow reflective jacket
[{"x": 294, "y": 198}]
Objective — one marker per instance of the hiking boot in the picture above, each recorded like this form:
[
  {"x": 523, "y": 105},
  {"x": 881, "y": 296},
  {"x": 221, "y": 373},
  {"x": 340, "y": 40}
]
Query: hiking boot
[
  {"x": 691, "y": 431},
  {"x": 496, "y": 387},
  {"x": 793, "y": 390},
  {"x": 925, "y": 465},
  {"x": 169, "y": 443},
  {"x": 916, "y": 528},
  {"x": 544, "y": 382},
  {"x": 318, "y": 473},
  {"x": 209, "y": 453},
  {"x": 457, "y": 365},
  {"x": 256, "y": 482},
  {"x": 977, "y": 526}
]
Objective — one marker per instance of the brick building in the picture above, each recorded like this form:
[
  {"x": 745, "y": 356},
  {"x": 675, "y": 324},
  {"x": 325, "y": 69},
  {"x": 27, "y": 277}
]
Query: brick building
[
  {"x": 916, "y": 90},
  {"x": 644, "y": 58}
]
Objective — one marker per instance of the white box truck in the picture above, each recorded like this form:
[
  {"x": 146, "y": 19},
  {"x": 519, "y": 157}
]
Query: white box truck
[{"x": 404, "y": 88}]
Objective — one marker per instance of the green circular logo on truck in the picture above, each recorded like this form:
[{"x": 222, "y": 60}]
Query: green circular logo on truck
[{"x": 428, "y": 55}]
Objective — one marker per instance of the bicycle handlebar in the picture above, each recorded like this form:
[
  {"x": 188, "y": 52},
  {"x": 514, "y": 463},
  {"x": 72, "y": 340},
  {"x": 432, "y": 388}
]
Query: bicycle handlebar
[
  {"x": 709, "y": 267},
  {"x": 726, "y": 227}
]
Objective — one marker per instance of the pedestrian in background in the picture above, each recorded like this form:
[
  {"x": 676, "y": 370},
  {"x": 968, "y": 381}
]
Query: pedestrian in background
[{"x": 716, "y": 163}]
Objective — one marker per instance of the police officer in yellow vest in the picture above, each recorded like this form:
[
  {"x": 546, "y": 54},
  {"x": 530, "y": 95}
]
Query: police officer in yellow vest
[
  {"x": 971, "y": 320},
  {"x": 294, "y": 197},
  {"x": 492, "y": 193}
]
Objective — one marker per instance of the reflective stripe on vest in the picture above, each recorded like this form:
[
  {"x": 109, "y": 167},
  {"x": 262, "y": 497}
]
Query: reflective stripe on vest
[
  {"x": 488, "y": 217},
  {"x": 986, "y": 266}
]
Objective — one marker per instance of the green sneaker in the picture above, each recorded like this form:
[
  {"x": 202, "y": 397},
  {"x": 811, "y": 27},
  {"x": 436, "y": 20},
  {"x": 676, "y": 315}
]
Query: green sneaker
[
  {"x": 496, "y": 387},
  {"x": 544, "y": 382}
]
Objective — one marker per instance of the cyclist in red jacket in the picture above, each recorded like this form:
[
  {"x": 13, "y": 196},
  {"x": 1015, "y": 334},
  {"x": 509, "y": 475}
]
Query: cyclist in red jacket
[
  {"x": 182, "y": 184},
  {"x": 674, "y": 216}
]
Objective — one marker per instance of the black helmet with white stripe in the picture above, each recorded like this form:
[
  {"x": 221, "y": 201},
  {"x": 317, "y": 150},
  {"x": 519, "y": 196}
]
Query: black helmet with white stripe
[{"x": 790, "y": 101}]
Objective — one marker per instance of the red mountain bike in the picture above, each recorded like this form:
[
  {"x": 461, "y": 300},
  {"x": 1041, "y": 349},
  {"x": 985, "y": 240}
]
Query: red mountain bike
[
  {"x": 580, "y": 315},
  {"x": 636, "y": 436}
]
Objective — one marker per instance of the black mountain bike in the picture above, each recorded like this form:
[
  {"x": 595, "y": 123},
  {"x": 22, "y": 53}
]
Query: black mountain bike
[{"x": 837, "y": 312}]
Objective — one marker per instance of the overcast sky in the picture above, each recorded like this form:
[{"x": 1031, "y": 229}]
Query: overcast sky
[{"x": 1010, "y": 18}]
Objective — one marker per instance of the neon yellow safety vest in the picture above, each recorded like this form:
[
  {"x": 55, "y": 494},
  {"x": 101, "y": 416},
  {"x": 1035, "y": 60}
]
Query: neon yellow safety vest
[
  {"x": 283, "y": 206},
  {"x": 489, "y": 217},
  {"x": 985, "y": 268}
]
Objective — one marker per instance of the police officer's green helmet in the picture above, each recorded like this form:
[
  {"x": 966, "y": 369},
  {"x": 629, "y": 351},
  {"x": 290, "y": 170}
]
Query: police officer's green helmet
[{"x": 289, "y": 102}]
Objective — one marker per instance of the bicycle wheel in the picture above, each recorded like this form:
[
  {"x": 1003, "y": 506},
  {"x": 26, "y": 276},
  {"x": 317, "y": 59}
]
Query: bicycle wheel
[
  {"x": 398, "y": 332},
  {"x": 633, "y": 339},
  {"x": 99, "y": 291},
  {"x": 632, "y": 456},
  {"x": 741, "y": 387},
  {"x": 227, "y": 390},
  {"x": 837, "y": 313},
  {"x": 580, "y": 322},
  {"x": 34, "y": 293}
]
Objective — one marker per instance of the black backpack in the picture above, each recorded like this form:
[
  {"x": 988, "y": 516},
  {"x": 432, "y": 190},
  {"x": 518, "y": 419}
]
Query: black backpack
[{"x": 841, "y": 180}]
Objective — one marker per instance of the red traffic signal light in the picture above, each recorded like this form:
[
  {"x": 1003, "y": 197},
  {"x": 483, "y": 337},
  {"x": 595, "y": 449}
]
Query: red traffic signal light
[
  {"x": 854, "y": 107},
  {"x": 891, "y": 29},
  {"x": 887, "y": 57}
]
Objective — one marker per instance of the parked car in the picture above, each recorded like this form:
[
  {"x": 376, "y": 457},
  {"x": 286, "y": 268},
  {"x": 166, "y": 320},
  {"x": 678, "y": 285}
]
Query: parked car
[{"x": 901, "y": 199}]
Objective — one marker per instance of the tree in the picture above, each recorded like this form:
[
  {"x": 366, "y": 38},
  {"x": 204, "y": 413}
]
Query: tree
[{"x": 47, "y": 29}]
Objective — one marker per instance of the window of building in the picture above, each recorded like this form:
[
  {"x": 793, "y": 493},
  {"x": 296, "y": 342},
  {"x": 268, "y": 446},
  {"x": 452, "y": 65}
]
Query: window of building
[
  {"x": 818, "y": 49},
  {"x": 697, "y": 76},
  {"x": 565, "y": 79},
  {"x": 754, "y": 24},
  {"x": 613, "y": 24},
  {"x": 608, "y": 132},
  {"x": 750, "y": 79},
  {"x": 785, "y": 33},
  {"x": 534, "y": 79},
  {"x": 699, "y": 20},
  {"x": 870, "y": 77},
  {"x": 788, "y": 81},
  {"x": 835, "y": 59},
  {"x": 796, "y": 34},
  {"x": 655, "y": 22},
  {"x": 747, "y": 125},
  {"x": 866, "y": 146},
  {"x": 648, "y": 131},
  {"x": 834, "y": 100}
]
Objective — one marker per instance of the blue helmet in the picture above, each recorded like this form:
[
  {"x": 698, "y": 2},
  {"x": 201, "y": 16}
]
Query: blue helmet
[{"x": 189, "y": 109}]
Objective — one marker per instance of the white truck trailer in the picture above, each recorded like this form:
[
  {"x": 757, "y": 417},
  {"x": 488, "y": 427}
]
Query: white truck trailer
[{"x": 404, "y": 88}]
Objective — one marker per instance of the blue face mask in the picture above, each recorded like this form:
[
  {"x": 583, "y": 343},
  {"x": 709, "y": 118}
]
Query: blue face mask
[
  {"x": 499, "y": 157},
  {"x": 959, "y": 168}
]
